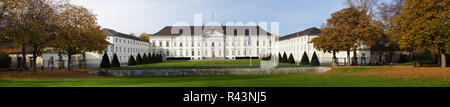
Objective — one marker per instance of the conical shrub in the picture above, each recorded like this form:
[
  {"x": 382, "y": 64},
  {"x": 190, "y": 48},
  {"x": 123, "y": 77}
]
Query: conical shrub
[
  {"x": 131, "y": 61},
  {"x": 115, "y": 61},
  {"x": 315, "y": 60},
  {"x": 305, "y": 59},
  {"x": 291, "y": 59},
  {"x": 138, "y": 59},
  {"x": 144, "y": 59},
  {"x": 105, "y": 61},
  {"x": 285, "y": 58}
]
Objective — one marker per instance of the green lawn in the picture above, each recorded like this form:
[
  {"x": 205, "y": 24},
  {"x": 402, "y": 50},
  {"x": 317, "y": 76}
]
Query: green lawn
[
  {"x": 207, "y": 62},
  {"x": 279, "y": 80},
  {"x": 203, "y": 65},
  {"x": 339, "y": 78}
]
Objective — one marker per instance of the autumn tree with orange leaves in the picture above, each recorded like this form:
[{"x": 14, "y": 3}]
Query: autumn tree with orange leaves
[
  {"x": 423, "y": 24},
  {"x": 347, "y": 30}
]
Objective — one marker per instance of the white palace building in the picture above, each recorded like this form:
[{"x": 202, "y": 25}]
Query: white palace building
[
  {"x": 204, "y": 43},
  {"x": 211, "y": 42}
]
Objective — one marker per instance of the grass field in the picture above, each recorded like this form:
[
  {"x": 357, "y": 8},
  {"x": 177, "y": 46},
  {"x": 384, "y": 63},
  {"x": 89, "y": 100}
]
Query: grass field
[
  {"x": 398, "y": 76},
  {"x": 203, "y": 65}
]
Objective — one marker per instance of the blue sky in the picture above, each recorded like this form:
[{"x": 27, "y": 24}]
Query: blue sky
[{"x": 149, "y": 16}]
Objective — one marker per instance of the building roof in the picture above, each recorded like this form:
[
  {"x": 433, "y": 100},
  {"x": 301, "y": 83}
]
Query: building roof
[
  {"x": 110, "y": 32},
  {"x": 310, "y": 31},
  {"x": 167, "y": 31}
]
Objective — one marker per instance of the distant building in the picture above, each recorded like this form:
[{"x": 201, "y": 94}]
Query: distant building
[
  {"x": 122, "y": 44},
  {"x": 212, "y": 42},
  {"x": 300, "y": 42}
]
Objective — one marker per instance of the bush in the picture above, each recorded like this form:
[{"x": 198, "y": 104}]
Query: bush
[
  {"x": 285, "y": 58},
  {"x": 305, "y": 59},
  {"x": 161, "y": 58},
  {"x": 131, "y": 61},
  {"x": 280, "y": 58},
  {"x": 138, "y": 59},
  {"x": 291, "y": 59},
  {"x": 105, "y": 61},
  {"x": 144, "y": 59},
  {"x": 115, "y": 61},
  {"x": 315, "y": 60},
  {"x": 403, "y": 58},
  {"x": 5, "y": 60}
]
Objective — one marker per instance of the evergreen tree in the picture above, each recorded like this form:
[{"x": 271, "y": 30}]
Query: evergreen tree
[
  {"x": 280, "y": 58},
  {"x": 131, "y": 61},
  {"x": 315, "y": 60},
  {"x": 285, "y": 58},
  {"x": 291, "y": 59},
  {"x": 105, "y": 61},
  {"x": 161, "y": 58},
  {"x": 115, "y": 61},
  {"x": 305, "y": 59},
  {"x": 144, "y": 59},
  {"x": 138, "y": 59},
  {"x": 149, "y": 58}
]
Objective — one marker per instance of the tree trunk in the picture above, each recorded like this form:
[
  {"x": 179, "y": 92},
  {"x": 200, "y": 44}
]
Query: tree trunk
[
  {"x": 355, "y": 58},
  {"x": 60, "y": 59},
  {"x": 413, "y": 58},
  {"x": 69, "y": 61},
  {"x": 34, "y": 58},
  {"x": 443, "y": 60},
  {"x": 334, "y": 61},
  {"x": 24, "y": 59},
  {"x": 83, "y": 61},
  {"x": 348, "y": 58},
  {"x": 392, "y": 58}
]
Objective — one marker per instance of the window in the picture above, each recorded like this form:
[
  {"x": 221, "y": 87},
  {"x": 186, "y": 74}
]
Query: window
[
  {"x": 167, "y": 44},
  {"x": 160, "y": 44},
  {"x": 181, "y": 44},
  {"x": 193, "y": 54}
]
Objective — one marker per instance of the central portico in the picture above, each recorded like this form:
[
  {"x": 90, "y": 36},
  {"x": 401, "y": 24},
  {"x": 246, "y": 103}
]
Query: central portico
[{"x": 212, "y": 42}]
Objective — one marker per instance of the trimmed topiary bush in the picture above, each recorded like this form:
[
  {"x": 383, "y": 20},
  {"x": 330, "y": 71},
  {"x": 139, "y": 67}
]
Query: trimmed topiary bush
[
  {"x": 131, "y": 61},
  {"x": 315, "y": 60},
  {"x": 280, "y": 58},
  {"x": 5, "y": 60},
  {"x": 305, "y": 59},
  {"x": 291, "y": 59},
  {"x": 105, "y": 61},
  {"x": 138, "y": 59},
  {"x": 115, "y": 61},
  {"x": 144, "y": 59},
  {"x": 285, "y": 58}
]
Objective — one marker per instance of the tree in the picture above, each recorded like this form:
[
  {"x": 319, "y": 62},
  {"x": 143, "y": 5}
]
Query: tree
[
  {"x": 368, "y": 5},
  {"x": 145, "y": 36},
  {"x": 30, "y": 23},
  {"x": 150, "y": 58},
  {"x": 78, "y": 32},
  {"x": 5, "y": 60},
  {"x": 131, "y": 61},
  {"x": 285, "y": 58},
  {"x": 423, "y": 24},
  {"x": 280, "y": 58},
  {"x": 349, "y": 29},
  {"x": 305, "y": 59},
  {"x": 291, "y": 59},
  {"x": 138, "y": 59},
  {"x": 315, "y": 60},
  {"x": 105, "y": 61},
  {"x": 115, "y": 61},
  {"x": 144, "y": 59}
]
